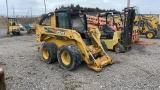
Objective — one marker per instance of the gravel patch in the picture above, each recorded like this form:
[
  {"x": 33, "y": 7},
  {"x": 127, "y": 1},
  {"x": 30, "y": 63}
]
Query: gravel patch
[{"x": 135, "y": 70}]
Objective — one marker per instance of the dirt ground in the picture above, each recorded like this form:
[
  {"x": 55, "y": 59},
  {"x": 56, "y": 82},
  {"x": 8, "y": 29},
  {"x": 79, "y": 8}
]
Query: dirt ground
[{"x": 138, "y": 69}]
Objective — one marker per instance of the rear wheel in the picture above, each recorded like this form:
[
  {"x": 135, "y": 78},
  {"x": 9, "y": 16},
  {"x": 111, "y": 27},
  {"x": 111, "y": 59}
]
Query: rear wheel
[
  {"x": 69, "y": 57},
  {"x": 150, "y": 34},
  {"x": 18, "y": 33},
  {"x": 119, "y": 48},
  {"x": 13, "y": 33},
  {"x": 49, "y": 52}
]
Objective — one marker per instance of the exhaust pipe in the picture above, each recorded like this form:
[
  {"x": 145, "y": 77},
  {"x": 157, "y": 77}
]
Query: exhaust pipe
[{"x": 2, "y": 80}]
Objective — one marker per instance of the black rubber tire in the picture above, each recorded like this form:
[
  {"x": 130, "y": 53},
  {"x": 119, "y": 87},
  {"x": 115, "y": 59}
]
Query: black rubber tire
[
  {"x": 13, "y": 33},
  {"x": 52, "y": 51},
  {"x": 75, "y": 57},
  {"x": 104, "y": 46},
  {"x": 118, "y": 48},
  {"x": 18, "y": 33},
  {"x": 151, "y": 31}
]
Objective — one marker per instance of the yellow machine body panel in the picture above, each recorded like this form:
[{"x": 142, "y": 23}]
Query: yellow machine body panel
[
  {"x": 112, "y": 42},
  {"x": 16, "y": 28}
]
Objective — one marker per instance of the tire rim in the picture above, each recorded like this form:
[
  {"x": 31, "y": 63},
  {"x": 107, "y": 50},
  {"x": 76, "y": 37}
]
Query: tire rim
[
  {"x": 66, "y": 59},
  {"x": 45, "y": 54},
  {"x": 117, "y": 49},
  {"x": 149, "y": 35}
]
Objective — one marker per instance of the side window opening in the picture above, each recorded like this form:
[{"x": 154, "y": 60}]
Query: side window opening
[
  {"x": 77, "y": 22},
  {"x": 47, "y": 21}
]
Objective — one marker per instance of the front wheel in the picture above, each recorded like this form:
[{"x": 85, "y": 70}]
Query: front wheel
[
  {"x": 14, "y": 33},
  {"x": 150, "y": 34},
  {"x": 49, "y": 52},
  {"x": 119, "y": 48},
  {"x": 69, "y": 57}
]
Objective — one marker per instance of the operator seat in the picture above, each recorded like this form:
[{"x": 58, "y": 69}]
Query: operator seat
[
  {"x": 82, "y": 32},
  {"x": 107, "y": 32},
  {"x": 13, "y": 24}
]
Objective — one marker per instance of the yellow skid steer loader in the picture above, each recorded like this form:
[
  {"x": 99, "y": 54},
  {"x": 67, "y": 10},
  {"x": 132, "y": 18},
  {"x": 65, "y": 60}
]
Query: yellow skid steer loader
[{"x": 68, "y": 39}]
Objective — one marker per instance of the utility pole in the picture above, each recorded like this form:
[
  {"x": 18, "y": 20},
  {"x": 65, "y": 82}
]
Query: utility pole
[
  {"x": 128, "y": 4},
  {"x": 7, "y": 17},
  {"x": 31, "y": 11},
  {"x": 45, "y": 5},
  {"x": 13, "y": 11},
  {"x": 7, "y": 7}
]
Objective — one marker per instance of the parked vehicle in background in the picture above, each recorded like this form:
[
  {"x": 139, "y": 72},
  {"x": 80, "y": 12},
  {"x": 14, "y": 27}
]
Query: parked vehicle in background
[
  {"x": 13, "y": 27},
  {"x": 21, "y": 27},
  {"x": 30, "y": 28}
]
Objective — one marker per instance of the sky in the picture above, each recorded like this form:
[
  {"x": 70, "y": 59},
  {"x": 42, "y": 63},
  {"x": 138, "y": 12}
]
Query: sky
[{"x": 24, "y": 7}]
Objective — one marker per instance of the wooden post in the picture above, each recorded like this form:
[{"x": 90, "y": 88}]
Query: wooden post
[
  {"x": 2, "y": 80},
  {"x": 7, "y": 17}
]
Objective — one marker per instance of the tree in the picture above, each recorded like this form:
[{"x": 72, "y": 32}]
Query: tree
[
  {"x": 72, "y": 6},
  {"x": 62, "y": 7},
  {"x": 78, "y": 7},
  {"x": 97, "y": 9}
]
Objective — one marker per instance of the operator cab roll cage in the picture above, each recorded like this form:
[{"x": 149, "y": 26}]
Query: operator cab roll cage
[
  {"x": 13, "y": 22},
  {"x": 71, "y": 14},
  {"x": 106, "y": 16}
]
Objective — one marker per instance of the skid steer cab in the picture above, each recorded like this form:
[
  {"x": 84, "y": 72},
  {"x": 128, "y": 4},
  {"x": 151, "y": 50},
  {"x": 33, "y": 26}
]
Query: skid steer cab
[
  {"x": 68, "y": 40},
  {"x": 13, "y": 27},
  {"x": 119, "y": 36}
]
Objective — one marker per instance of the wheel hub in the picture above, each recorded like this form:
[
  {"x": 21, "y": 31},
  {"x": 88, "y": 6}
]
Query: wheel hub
[
  {"x": 45, "y": 54},
  {"x": 150, "y": 35},
  {"x": 65, "y": 56},
  {"x": 117, "y": 49}
]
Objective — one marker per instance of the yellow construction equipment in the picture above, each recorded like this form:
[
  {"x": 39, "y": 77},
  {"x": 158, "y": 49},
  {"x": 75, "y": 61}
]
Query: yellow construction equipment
[
  {"x": 148, "y": 25},
  {"x": 117, "y": 34},
  {"x": 68, "y": 39},
  {"x": 13, "y": 27}
]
